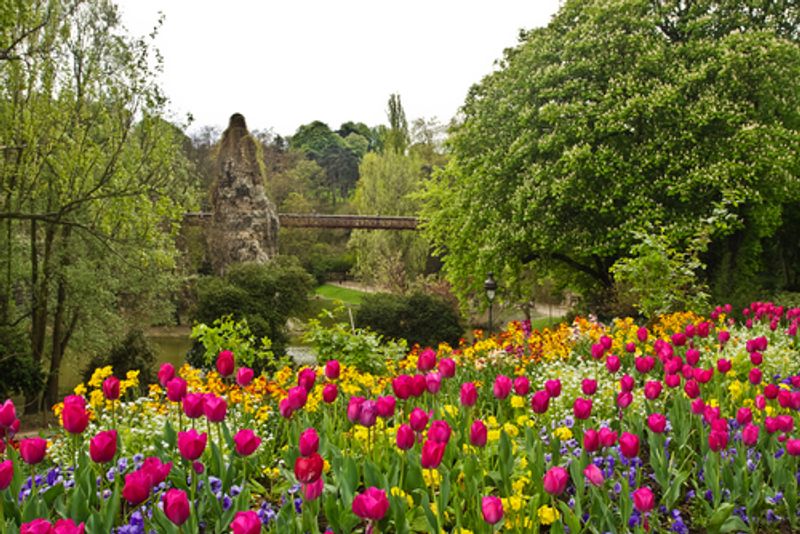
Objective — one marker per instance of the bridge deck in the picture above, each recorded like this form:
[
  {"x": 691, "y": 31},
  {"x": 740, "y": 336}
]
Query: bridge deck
[{"x": 316, "y": 220}]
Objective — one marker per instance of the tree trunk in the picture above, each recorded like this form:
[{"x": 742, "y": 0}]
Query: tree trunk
[
  {"x": 61, "y": 331},
  {"x": 39, "y": 297}
]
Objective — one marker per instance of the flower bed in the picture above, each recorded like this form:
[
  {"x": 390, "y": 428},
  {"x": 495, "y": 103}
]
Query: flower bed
[{"x": 687, "y": 424}]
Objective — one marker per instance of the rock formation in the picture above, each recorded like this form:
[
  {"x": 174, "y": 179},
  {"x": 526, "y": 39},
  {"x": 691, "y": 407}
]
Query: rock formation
[{"x": 244, "y": 223}]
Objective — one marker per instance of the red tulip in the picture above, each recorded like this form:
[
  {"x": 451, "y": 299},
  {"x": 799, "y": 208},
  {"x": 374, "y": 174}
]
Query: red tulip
[
  {"x": 6, "y": 474},
  {"x": 309, "y": 442},
  {"x": 427, "y": 360},
  {"x": 103, "y": 446},
  {"x": 447, "y": 366},
  {"x": 405, "y": 437},
  {"x": 582, "y": 408},
  {"x": 588, "y": 386},
  {"x": 32, "y": 450},
  {"x": 308, "y": 469},
  {"x": 502, "y": 387},
  {"x": 652, "y": 389},
  {"x": 433, "y": 382},
  {"x": 371, "y": 504},
  {"x": 156, "y": 469},
  {"x": 193, "y": 404},
  {"x": 644, "y": 500},
  {"x": 215, "y": 408},
  {"x": 306, "y": 379},
  {"x": 492, "y": 509},
  {"x": 629, "y": 445},
  {"x": 522, "y": 385},
  {"x": 332, "y": 369},
  {"x": 591, "y": 440},
  {"x": 540, "y": 401},
  {"x": 594, "y": 475},
  {"x": 613, "y": 363},
  {"x": 176, "y": 389},
  {"x": 165, "y": 374},
  {"x": 68, "y": 526},
  {"x": 657, "y": 423},
  {"x": 402, "y": 387},
  {"x": 717, "y": 440},
  {"x": 314, "y": 490},
  {"x": 553, "y": 388},
  {"x": 244, "y": 376},
  {"x": 418, "y": 385},
  {"x": 111, "y": 388},
  {"x": 744, "y": 415},
  {"x": 418, "y": 419},
  {"x": 607, "y": 437},
  {"x": 329, "y": 393},
  {"x": 137, "y": 487},
  {"x": 626, "y": 383},
  {"x": 246, "y": 523},
  {"x": 37, "y": 526},
  {"x": 771, "y": 391},
  {"x": 432, "y": 453},
  {"x": 750, "y": 434},
  {"x": 642, "y": 334},
  {"x": 478, "y": 433},
  {"x": 246, "y": 442},
  {"x": 469, "y": 394},
  {"x": 176, "y": 506},
  {"x": 555, "y": 480},
  {"x": 8, "y": 413},
  {"x": 225, "y": 363},
  {"x": 793, "y": 447},
  {"x": 679, "y": 339},
  {"x": 191, "y": 444},
  {"x": 74, "y": 418}
]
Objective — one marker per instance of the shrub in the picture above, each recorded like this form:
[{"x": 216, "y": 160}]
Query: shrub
[
  {"x": 134, "y": 352},
  {"x": 20, "y": 373},
  {"x": 266, "y": 295},
  {"x": 418, "y": 318}
]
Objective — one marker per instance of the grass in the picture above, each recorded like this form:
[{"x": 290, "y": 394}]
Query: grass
[{"x": 348, "y": 296}]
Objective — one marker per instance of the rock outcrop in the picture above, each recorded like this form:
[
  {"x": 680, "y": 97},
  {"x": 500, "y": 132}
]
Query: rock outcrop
[{"x": 244, "y": 224}]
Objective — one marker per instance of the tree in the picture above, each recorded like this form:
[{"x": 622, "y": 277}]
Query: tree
[
  {"x": 397, "y": 136},
  {"x": 621, "y": 120},
  {"x": 94, "y": 182}
]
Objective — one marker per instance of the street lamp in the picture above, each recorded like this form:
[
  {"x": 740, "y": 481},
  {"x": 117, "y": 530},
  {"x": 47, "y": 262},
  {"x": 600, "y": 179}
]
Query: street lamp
[{"x": 490, "y": 286}]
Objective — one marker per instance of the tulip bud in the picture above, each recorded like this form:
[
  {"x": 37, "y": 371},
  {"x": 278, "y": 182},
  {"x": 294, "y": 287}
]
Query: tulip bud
[
  {"x": 594, "y": 475},
  {"x": 555, "y": 480},
  {"x": 111, "y": 388},
  {"x": 329, "y": 393},
  {"x": 478, "y": 433},
  {"x": 644, "y": 500},
  {"x": 469, "y": 394},
  {"x": 405, "y": 437},
  {"x": 332, "y": 369},
  {"x": 492, "y": 509},
  {"x": 176, "y": 506},
  {"x": 246, "y": 442},
  {"x": 225, "y": 363},
  {"x": 309, "y": 442}
]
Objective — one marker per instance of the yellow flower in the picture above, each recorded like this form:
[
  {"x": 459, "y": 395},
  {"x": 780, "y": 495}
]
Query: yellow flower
[
  {"x": 398, "y": 492},
  {"x": 735, "y": 389},
  {"x": 491, "y": 421},
  {"x": 511, "y": 430},
  {"x": 431, "y": 477},
  {"x": 524, "y": 420},
  {"x": 519, "y": 485},
  {"x": 513, "y": 503},
  {"x": 450, "y": 410},
  {"x": 547, "y": 515},
  {"x": 80, "y": 389},
  {"x": 100, "y": 374},
  {"x": 493, "y": 435},
  {"x": 563, "y": 433},
  {"x": 517, "y": 402}
]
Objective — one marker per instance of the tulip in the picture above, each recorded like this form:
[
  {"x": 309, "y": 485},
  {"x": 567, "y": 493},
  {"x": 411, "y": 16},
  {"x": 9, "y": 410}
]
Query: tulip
[
  {"x": 418, "y": 419},
  {"x": 522, "y": 385},
  {"x": 582, "y": 408},
  {"x": 402, "y": 387},
  {"x": 785, "y": 422},
  {"x": 246, "y": 523},
  {"x": 755, "y": 376},
  {"x": 37, "y": 526},
  {"x": 191, "y": 444},
  {"x": 432, "y": 453},
  {"x": 32, "y": 450},
  {"x": 405, "y": 437},
  {"x": 784, "y": 398},
  {"x": 306, "y": 379},
  {"x": 332, "y": 369},
  {"x": 644, "y": 364},
  {"x": 156, "y": 469},
  {"x": 698, "y": 406},
  {"x": 629, "y": 444},
  {"x": 626, "y": 383},
  {"x": 308, "y": 469},
  {"x": 630, "y": 347},
  {"x": 137, "y": 487},
  {"x": 74, "y": 418},
  {"x": 371, "y": 504},
  {"x": 644, "y": 500},
  {"x": 750, "y": 434},
  {"x": 111, "y": 388},
  {"x": 607, "y": 437},
  {"x": 68, "y": 526},
  {"x": 711, "y": 414},
  {"x": 478, "y": 433},
  {"x": 597, "y": 351},
  {"x": 555, "y": 480},
  {"x": 297, "y": 397},
  {"x": 225, "y": 363},
  {"x": 176, "y": 506},
  {"x": 723, "y": 337},
  {"x": 761, "y": 402},
  {"x": 176, "y": 389},
  {"x": 386, "y": 406},
  {"x": 215, "y": 408},
  {"x": 354, "y": 409},
  {"x": 165, "y": 374},
  {"x": 652, "y": 389},
  {"x": 314, "y": 490},
  {"x": 418, "y": 385},
  {"x": 793, "y": 447},
  {"x": 591, "y": 440},
  {"x": 502, "y": 387},
  {"x": 246, "y": 442},
  {"x": 672, "y": 380},
  {"x": 469, "y": 394},
  {"x": 6, "y": 474},
  {"x": 771, "y": 391},
  {"x": 427, "y": 360},
  {"x": 309, "y": 442},
  {"x": 103, "y": 446},
  {"x": 679, "y": 339},
  {"x": 244, "y": 376},
  {"x": 368, "y": 413},
  {"x": 642, "y": 334},
  {"x": 692, "y": 356},
  {"x": 439, "y": 431},
  {"x": 657, "y": 423},
  {"x": 692, "y": 389},
  {"x": 717, "y": 440},
  {"x": 723, "y": 365},
  {"x": 606, "y": 342},
  {"x": 8, "y": 414},
  {"x": 193, "y": 404},
  {"x": 447, "y": 366},
  {"x": 433, "y": 382},
  {"x": 540, "y": 401},
  {"x": 594, "y": 475},
  {"x": 492, "y": 509},
  {"x": 613, "y": 363},
  {"x": 703, "y": 329},
  {"x": 704, "y": 376},
  {"x": 553, "y": 388},
  {"x": 744, "y": 415},
  {"x": 624, "y": 399},
  {"x": 588, "y": 386},
  {"x": 329, "y": 393}
]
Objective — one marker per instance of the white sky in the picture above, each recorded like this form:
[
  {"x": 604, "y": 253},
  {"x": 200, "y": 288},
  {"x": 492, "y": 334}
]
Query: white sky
[{"x": 287, "y": 63}]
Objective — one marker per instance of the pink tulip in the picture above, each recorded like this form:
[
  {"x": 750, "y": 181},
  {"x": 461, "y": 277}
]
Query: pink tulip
[
  {"x": 723, "y": 365},
  {"x": 582, "y": 408},
  {"x": 793, "y": 447},
  {"x": 332, "y": 369},
  {"x": 644, "y": 364},
  {"x": 540, "y": 401},
  {"x": 329, "y": 393},
  {"x": 629, "y": 444},
  {"x": 692, "y": 356},
  {"x": 215, "y": 408},
  {"x": 156, "y": 470},
  {"x": 308, "y": 469},
  {"x": 447, "y": 366},
  {"x": 32, "y": 450},
  {"x": 314, "y": 490},
  {"x": 594, "y": 475},
  {"x": 607, "y": 437},
  {"x": 244, "y": 376},
  {"x": 626, "y": 383},
  {"x": 137, "y": 487},
  {"x": 74, "y": 417},
  {"x": 630, "y": 347},
  {"x": 555, "y": 480},
  {"x": 492, "y": 509},
  {"x": 176, "y": 506},
  {"x": 439, "y": 431},
  {"x": 368, "y": 414},
  {"x": 225, "y": 363},
  {"x": 298, "y": 396},
  {"x": 478, "y": 433},
  {"x": 591, "y": 440},
  {"x": 386, "y": 406},
  {"x": 306, "y": 379},
  {"x": 176, "y": 389},
  {"x": 309, "y": 442},
  {"x": 744, "y": 415},
  {"x": 191, "y": 444},
  {"x": 717, "y": 440},
  {"x": 644, "y": 500},
  {"x": 692, "y": 389},
  {"x": 354, "y": 409},
  {"x": 606, "y": 342},
  {"x": 432, "y": 453},
  {"x": 111, "y": 388},
  {"x": 755, "y": 376},
  {"x": 502, "y": 387},
  {"x": 68, "y": 526},
  {"x": 642, "y": 334},
  {"x": 402, "y": 387},
  {"x": 103, "y": 447},
  {"x": 522, "y": 385},
  {"x": 597, "y": 351},
  {"x": 165, "y": 374},
  {"x": 418, "y": 385},
  {"x": 613, "y": 363},
  {"x": 723, "y": 337},
  {"x": 405, "y": 437},
  {"x": 193, "y": 404},
  {"x": 652, "y": 389},
  {"x": 624, "y": 399},
  {"x": 6, "y": 474},
  {"x": 426, "y": 360},
  {"x": 246, "y": 523},
  {"x": 553, "y": 388},
  {"x": 657, "y": 423},
  {"x": 433, "y": 382},
  {"x": 246, "y": 442},
  {"x": 469, "y": 394},
  {"x": 672, "y": 381},
  {"x": 588, "y": 386},
  {"x": 372, "y": 504},
  {"x": 418, "y": 419}
]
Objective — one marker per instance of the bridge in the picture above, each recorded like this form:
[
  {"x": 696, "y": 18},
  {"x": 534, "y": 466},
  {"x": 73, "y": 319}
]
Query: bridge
[{"x": 317, "y": 220}]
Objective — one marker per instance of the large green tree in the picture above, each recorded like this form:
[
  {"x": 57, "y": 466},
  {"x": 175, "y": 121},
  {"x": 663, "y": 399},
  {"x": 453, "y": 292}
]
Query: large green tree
[
  {"x": 92, "y": 180},
  {"x": 620, "y": 123}
]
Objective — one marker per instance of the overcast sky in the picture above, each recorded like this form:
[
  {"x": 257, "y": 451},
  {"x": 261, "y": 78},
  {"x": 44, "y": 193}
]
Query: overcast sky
[{"x": 283, "y": 64}]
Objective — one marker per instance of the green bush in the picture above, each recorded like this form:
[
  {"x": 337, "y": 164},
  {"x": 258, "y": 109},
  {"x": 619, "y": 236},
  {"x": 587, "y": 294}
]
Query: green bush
[
  {"x": 266, "y": 295},
  {"x": 20, "y": 373},
  {"x": 134, "y": 352},
  {"x": 418, "y": 318}
]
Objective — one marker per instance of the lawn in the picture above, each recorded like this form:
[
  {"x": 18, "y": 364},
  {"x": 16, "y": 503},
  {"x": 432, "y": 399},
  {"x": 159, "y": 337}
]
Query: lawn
[{"x": 348, "y": 296}]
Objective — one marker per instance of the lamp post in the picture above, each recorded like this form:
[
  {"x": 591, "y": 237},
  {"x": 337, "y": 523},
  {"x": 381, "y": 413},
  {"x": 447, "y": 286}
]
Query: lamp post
[{"x": 490, "y": 286}]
